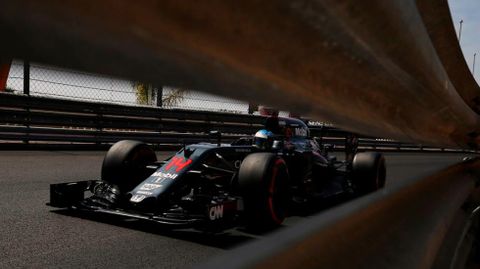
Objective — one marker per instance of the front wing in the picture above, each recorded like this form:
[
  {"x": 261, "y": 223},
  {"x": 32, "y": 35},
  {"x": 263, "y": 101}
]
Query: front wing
[{"x": 78, "y": 196}]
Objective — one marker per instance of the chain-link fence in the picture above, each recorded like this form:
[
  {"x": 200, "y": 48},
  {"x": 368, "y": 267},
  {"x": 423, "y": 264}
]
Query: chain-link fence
[
  {"x": 57, "y": 82},
  {"x": 15, "y": 78}
]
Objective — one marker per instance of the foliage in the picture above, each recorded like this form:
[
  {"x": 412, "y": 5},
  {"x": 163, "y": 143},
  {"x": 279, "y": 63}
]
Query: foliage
[
  {"x": 146, "y": 95},
  {"x": 174, "y": 97},
  {"x": 143, "y": 95}
]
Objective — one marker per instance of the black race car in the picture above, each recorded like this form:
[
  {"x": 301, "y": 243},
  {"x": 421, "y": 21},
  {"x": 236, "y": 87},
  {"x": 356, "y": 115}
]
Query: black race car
[{"x": 255, "y": 181}]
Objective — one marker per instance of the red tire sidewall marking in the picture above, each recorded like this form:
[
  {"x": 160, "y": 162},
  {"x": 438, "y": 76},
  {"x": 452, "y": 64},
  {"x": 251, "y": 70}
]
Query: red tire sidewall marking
[{"x": 271, "y": 189}]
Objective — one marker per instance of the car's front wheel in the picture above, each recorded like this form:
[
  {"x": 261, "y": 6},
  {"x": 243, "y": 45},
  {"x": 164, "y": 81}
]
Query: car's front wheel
[
  {"x": 263, "y": 184},
  {"x": 125, "y": 164}
]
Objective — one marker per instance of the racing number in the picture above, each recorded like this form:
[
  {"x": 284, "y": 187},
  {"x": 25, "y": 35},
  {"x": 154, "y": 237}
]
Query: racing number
[{"x": 179, "y": 163}]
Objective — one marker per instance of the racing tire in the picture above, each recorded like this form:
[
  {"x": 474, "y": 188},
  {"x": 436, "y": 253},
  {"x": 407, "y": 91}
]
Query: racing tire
[
  {"x": 369, "y": 171},
  {"x": 125, "y": 164},
  {"x": 263, "y": 184}
]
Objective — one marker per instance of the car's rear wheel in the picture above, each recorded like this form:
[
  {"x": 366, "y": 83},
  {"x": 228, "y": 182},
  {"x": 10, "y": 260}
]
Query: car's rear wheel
[
  {"x": 125, "y": 164},
  {"x": 263, "y": 184},
  {"x": 369, "y": 171}
]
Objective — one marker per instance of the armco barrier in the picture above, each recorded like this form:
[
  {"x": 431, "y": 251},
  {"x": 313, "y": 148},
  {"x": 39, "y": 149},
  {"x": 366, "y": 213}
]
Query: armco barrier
[
  {"x": 418, "y": 224},
  {"x": 33, "y": 121}
]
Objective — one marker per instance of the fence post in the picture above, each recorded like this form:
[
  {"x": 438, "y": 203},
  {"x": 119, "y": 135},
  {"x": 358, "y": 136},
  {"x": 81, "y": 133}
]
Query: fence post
[
  {"x": 26, "y": 91},
  {"x": 99, "y": 128},
  {"x": 26, "y": 77},
  {"x": 159, "y": 90},
  {"x": 252, "y": 107}
]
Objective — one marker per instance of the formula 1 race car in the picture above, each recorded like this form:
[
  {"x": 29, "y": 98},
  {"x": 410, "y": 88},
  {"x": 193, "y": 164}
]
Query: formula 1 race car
[{"x": 255, "y": 181}]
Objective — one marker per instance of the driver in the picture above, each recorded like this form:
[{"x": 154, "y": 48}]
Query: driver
[{"x": 263, "y": 139}]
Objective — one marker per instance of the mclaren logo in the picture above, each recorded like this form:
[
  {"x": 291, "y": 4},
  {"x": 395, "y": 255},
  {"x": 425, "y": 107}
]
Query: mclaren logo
[{"x": 216, "y": 212}]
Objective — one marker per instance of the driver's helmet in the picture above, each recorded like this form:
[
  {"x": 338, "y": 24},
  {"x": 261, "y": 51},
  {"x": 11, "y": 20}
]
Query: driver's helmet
[{"x": 263, "y": 139}]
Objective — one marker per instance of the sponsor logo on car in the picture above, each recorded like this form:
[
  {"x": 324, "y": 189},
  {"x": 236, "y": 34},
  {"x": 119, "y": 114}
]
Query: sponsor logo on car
[
  {"x": 162, "y": 175},
  {"x": 301, "y": 132},
  {"x": 216, "y": 212},
  {"x": 243, "y": 150},
  {"x": 149, "y": 186},
  {"x": 147, "y": 193},
  {"x": 137, "y": 198},
  {"x": 237, "y": 164},
  {"x": 160, "y": 180}
]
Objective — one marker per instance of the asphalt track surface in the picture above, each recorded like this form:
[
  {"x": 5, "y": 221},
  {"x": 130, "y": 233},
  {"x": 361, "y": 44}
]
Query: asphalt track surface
[{"x": 33, "y": 235}]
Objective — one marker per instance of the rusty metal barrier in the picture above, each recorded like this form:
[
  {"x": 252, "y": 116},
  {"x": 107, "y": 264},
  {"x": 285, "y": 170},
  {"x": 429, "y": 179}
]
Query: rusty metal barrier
[
  {"x": 415, "y": 225},
  {"x": 370, "y": 67},
  {"x": 438, "y": 21},
  {"x": 385, "y": 68}
]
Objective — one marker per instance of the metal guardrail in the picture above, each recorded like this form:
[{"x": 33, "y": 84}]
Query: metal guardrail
[
  {"x": 36, "y": 119},
  {"x": 421, "y": 223},
  {"x": 26, "y": 119}
]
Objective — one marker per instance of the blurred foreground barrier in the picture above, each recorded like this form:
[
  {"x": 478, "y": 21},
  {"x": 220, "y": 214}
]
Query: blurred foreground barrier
[
  {"x": 383, "y": 68},
  {"x": 378, "y": 68},
  {"x": 438, "y": 21},
  {"x": 423, "y": 223}
]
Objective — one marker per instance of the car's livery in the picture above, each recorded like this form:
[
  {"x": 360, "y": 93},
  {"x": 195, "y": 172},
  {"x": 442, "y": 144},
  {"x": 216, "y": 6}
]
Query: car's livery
[{"x": 215, "y": 186}]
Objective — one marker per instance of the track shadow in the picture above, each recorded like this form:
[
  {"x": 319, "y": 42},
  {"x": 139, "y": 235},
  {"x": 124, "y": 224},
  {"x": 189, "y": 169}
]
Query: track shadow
[
  {"x": 227, "y": 239},
  {"x": 224, "y": 240}
]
